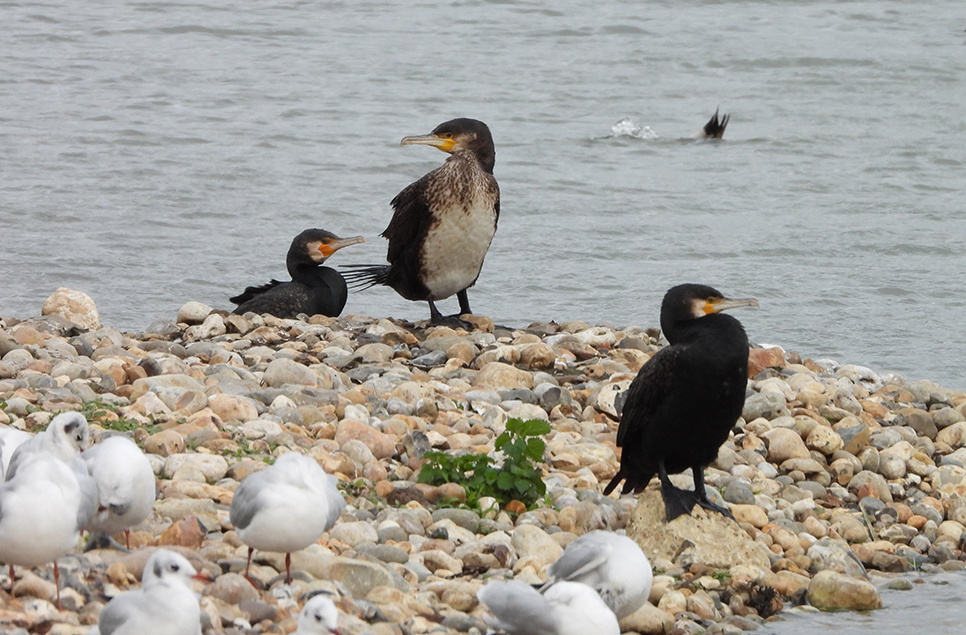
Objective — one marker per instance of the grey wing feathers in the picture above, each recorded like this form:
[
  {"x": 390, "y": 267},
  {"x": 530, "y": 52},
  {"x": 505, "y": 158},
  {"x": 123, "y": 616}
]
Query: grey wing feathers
[
  {"x": 518, "y": 609},
  {"x": 112, "y": 616},
  {"x": 244, "y": 505},
  {"x": 580, "y": 558}
]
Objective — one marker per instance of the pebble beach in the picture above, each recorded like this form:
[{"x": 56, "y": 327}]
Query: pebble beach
[{"x": 840, "y": 479}]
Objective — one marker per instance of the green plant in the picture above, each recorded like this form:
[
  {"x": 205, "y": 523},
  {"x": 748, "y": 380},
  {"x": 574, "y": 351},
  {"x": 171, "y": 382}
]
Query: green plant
[
  {"x": 97, "y": 409},
  {"x": 518, "y": 478}
]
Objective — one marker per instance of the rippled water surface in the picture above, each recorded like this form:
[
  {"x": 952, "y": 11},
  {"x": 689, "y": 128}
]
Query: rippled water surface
[
  {"x": 156, "y": 152},
  {"x": 933, "y": 606}
]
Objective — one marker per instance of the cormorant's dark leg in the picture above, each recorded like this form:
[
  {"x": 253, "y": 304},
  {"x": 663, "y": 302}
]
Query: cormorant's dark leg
[
  {"x": 435, "y": 317},
  {"x": 677, "y": 502},
  {"x": 464, "y": 302},
  {"x": 702, "y": 495},
  {"x": 438, "y": 319}
]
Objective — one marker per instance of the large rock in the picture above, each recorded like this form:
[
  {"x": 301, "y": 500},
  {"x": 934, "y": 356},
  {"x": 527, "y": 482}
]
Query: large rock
[
  {"x": 281, "y": 372},
  {"x": 834, "y": 555},
  {"x": 648, "y": 620},
  {"x": 830, "y": 590},
  {"x": 784, "y": 444},
  {"x": 500, "y": 375},
  {"x": 76, "y": 306},
  {"x": 357, "y": 576},
  {"x": 706, "y": 538}
]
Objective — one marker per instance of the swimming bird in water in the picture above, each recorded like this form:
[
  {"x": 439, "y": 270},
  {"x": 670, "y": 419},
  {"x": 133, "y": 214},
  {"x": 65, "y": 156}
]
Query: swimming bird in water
[
  {"x": 715, "y": 128},
  {"x": 684, "y": 401},
  {"x": 313, "y": 290},
  {"x": 442, "y": 224}
]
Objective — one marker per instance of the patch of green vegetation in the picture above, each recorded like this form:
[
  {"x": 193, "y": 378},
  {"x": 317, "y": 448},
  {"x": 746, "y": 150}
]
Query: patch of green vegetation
[
  {"x": 721, "y": 576},
  {"x": 518, "y": 478},
  {"x": 97, "y": 411},
  {"x": 246, "y": 450}
]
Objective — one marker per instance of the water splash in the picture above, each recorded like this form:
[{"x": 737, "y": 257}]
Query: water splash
[{"x": 627, "y": 128}]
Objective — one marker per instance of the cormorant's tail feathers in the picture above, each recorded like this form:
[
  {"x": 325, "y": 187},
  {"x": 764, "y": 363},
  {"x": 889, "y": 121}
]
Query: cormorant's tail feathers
[
  {"x": 251, "y": 292},
  {"x": 361, "y": 277},
  {"x": 715, "y": 128}
]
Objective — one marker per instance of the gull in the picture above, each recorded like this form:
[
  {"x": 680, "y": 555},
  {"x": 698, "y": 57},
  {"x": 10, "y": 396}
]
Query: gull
[
  {"x": 319, "y": 617},
  {"x": 125, "y": 485},
  {"x": 611, "y": 564},
  {"x": 65, "y": 438},
  {"x": 42, "y": 510},
  {"x": 164, "y": 605},
  {"x": 285, "y": 508},
  {"x": 10, "y": 439},
  {"x": 564, "y": 608}
]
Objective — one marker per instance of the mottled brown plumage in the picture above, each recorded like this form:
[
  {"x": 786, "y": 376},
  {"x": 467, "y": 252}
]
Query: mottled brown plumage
[{"x": 443, "y": 223}]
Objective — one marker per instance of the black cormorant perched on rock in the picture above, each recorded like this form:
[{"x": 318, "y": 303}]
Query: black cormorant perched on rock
[
  {"x": 686, "y": 398},
  {"x": 715, "y": 128},
  {"x": 443, "y": 223},
  {"x": 313, "y": 290}
]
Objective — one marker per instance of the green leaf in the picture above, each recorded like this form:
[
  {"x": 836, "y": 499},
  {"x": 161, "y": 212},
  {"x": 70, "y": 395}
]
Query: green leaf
[
  {"x": 535, "y": 427},
  {"x": 535, "y": 448},
  {"x": 505, "y": 480}
]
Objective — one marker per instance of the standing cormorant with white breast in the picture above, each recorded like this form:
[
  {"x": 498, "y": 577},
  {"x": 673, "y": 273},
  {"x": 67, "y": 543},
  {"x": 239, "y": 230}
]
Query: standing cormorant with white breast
[{"x": 442, "y": 224}]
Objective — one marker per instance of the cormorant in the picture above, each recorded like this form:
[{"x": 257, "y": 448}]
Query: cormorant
[
  {"x": 443, "y": 223},
  {"x": 686, "y": 398},
  {"x": 714, "y": 129},
  {"x": 313, "y": 289}
]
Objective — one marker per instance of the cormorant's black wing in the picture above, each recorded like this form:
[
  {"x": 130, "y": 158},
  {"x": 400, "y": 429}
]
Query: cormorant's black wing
[
  {"x": 647, "y": 392},
  {"x": 251, "y": 292},
  {"x": 410, "y": 220}
]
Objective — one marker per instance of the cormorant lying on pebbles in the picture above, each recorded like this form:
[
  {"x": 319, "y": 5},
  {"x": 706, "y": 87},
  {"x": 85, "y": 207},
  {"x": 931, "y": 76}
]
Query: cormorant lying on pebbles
[
  {"x": 313, "y": 289},
  {"x": 714, "y": 129},
  {"x": 443, "y": 223},
  {"x": 685, "y": 400}
]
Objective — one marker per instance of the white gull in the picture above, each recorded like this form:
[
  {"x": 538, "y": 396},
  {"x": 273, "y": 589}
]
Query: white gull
[{"x": 285, "y": 508}]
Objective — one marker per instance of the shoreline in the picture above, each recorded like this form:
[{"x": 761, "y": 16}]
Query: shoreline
[{"x": 836, "y": 470}]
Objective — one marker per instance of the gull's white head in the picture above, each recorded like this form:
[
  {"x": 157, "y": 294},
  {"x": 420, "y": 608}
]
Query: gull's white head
[
  {"x": 166, "y": 566},
  {"x": 318, "y": 617}
]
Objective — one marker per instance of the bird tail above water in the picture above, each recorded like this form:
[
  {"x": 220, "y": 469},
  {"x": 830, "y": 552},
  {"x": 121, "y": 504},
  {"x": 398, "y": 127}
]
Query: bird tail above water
[{"x": 360, "y": 277}]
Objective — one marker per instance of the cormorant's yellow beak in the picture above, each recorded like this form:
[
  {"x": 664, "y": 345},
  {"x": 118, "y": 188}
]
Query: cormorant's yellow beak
[
  {"x": 717, "y": 305},
  {"x": 327, "y": 249},
  {"x": 446, "y": 144}
]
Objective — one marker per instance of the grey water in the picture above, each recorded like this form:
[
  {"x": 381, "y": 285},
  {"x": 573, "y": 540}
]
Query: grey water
[
  {"x": 934, "y": 605},
  {"x": 157, "y": 152},
  {"x": 154, "y": 152}
]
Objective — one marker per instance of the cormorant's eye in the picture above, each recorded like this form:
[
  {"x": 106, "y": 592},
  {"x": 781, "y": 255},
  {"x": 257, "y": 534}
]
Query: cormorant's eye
[
  {"x": 447, "y": 135},
  {"x": 712, "y": 300}
]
